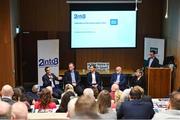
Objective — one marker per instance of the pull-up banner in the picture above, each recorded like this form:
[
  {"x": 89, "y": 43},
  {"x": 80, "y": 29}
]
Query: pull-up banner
[{"x": 47, "y": 56}]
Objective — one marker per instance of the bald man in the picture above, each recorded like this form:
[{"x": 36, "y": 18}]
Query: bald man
[
  {"x": 19, "y": 111},
  {"x": 4, "y": 110},
  {"x": 7, "y": 93},
  {"x": 119, "y": 78}
]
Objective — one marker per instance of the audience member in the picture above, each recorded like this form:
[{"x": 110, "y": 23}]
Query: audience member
[
  {"x": 173, "y": 111},
  {"x": 71, "y": 107},
  {"x": 84, "y": 106},
  {"x": 33, "y": 95},
  {"x": 68, "y": 87},
  {"x": 135, "y": 108},
  {"x": 104, "y": 105},
  {"x": 152, "y": 60},
  {"x": 19, "y": 111},
  {"x": 4, "y": 110},
  {"x": 49, "y": 80},
  {"x": 45, "y": 101},
  {"x": 114, "y": 88},
  {"x": 138, "y": 79},
  {"x": 88, "y": 92},
  {"x": 55, "y": 100},
  {"x": 7, "y": 93},
  {"x": 94, "y": 80},
  {"x": 119, "y": 78},
  {"x": 65, "y": 100},
  {"x": 72, "y": 77}
]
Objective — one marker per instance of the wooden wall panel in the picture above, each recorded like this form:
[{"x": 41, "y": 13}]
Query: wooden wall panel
[{"x": 6, "y": 69}]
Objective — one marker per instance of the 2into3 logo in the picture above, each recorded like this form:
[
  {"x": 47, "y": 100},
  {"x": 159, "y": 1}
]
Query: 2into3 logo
[{"x": 48, "y": 62}]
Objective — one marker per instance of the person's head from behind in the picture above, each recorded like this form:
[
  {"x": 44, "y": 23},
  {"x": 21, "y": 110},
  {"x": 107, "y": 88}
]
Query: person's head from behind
[
  {"x": 4, "y": 110},
  {"x": 17, "y": 94},
  {"x": 104, "y": 101},
  {"x": 136, "y": 92},
  {"x": 45, "y": 97},
  {"x": 88, "y": 92},
  {"x": 85, "y": 104},
  {"x": 92, "y": 68},
  {"x": 68, "y": 87},
  {"x": 114, "y": 87},
  {"x": 118, "y": 95},
  {"x": 35, "y": 88},
  {"x": 174, "y": 102},
  {"x": 7, "y": 91},
  {"x": 152, "y": 54},
  {"x": 139, "y": 73},
  {"x": 71, "y": 66},
  {"x": 19, "y": 111},
  {"x": 65, "y": 100},
  {"x": 47, "y": 70},
  {"x": 118, "y": 70}
]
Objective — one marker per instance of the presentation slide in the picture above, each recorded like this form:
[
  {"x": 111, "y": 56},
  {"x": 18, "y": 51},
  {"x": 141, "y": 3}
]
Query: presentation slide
[{"x": 103, "y": 29}]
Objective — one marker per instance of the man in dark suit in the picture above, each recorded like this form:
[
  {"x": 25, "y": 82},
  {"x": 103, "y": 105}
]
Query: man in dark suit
[
  {"x": 93, "y": 80},
  {"x": 136, "y": 108},
  {"x": 7, "y": 93},
  {"x": 119, "y": 78},
  {"x": 152, "y": 60},
  {"x": 49, "y": 80},
  {"x": 72, "y": 77}
]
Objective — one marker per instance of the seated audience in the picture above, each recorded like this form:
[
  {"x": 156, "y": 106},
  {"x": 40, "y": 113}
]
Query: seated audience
[
  {"x": 117, "y": 101},
  {"x": 71, "y": 107},
  {"x": 173, "y": 111},
  {"x": 49, "y": 80},
  {"x": 4, "y": 110},
  {"x": 19, "y": 111},
  {"x": 94, "y": 80},
  {"x": 65, "y": 100},
  {"x": 88, "y": 92},
  {"x": 86, "y": 106},
  {"x": 68, "y": 87},
  {"x": 33, "y": 95},
  {"x": 119, "y": 78},
  {"x": 114, "y": 88},
  {"x": 55, "y": 100},
  {"x": 138, "y": 79},
  {"x": 135, "y": 108},
  {"x": 7, "y": 93},
  {"x": 104, "y": 105},
  {"x": 44, "y": 102},
  {"x": 72, "y": 77}
]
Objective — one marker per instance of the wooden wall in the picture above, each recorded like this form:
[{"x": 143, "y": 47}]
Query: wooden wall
[
  {"x": 172, "y": 35},
  {"x": 6, "y": 62}
]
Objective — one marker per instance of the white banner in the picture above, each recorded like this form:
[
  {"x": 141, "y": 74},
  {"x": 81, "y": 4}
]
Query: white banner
[
  {"x": 154, "y": 44},
  {"x": 48, "y": 56}
]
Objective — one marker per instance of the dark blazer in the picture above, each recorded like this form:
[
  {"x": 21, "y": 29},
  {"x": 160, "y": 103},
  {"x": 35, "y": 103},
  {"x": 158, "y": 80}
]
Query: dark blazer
[
  {"x": 135, "y": 109},
  {"x": 98, "y": 80},
  {"x": 67, "y": 77},
  {"x": 140, "y": 82},
  {"x": 46, "y": 81},
  {"x": 155, "y": 62},
  {"x": 10, "y": 101},
  {"x": 122, "y": 83}
]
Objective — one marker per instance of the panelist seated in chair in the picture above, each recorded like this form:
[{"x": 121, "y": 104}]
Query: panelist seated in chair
[
  {"x": 71, "y": 76},
  {"x": 119, "y": 78},
  {"x": 49, "y": 80},
  {"x": 93, "y": 79}
]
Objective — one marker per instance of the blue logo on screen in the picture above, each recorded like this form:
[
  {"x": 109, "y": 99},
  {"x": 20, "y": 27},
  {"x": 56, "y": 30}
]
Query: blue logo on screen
[{"x": 113, "y": 21}]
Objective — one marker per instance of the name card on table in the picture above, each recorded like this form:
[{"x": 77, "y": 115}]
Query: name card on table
[{"x": 101, "y": 66}]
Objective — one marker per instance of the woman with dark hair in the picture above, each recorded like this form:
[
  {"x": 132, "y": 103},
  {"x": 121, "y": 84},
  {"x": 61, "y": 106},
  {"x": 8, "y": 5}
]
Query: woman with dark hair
[
  {"x": 65, "y": 100},
  {"x": 45, "y": 100},
  {"x": 104, "y": 105}
]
